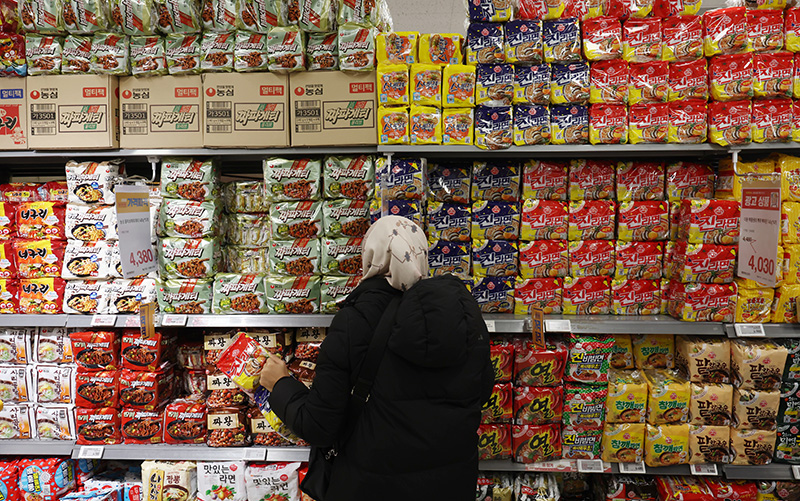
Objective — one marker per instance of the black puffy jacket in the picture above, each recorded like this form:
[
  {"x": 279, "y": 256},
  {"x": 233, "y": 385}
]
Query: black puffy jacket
[{"x": 417, "y": 436}]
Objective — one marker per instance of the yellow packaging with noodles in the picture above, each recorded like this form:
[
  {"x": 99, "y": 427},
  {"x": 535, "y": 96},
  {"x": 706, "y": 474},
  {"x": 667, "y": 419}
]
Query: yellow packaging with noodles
[
  {"x": 397, "y": 47},
  {"x": 623, "y": 442},
  {"x": 668, "y": 399},
  {"x": 393, "y": 85},
  {"x": 458, "y": 126},
  {"x": 784, "y": 307},
  {"x": 426, "y": 84},
  {"x": 458, "y": 86},
  {"x": 790, "y": 223},
  {"x": 426, "y": 125},
  {"x": 393, "y": 125},
  {"x": 441, "y": 48},
  {"x": 754, "y": 306},
  {"x": 622, "y": 354},
  {"x": 796, "y": 120},
  {"x": 789, "y": 167},
  {"x": 792, "y": 29},
  {"x": 791, "y": 264},
  {"x": 627, "y": 397},
  {"x": 666, "y": 445}
]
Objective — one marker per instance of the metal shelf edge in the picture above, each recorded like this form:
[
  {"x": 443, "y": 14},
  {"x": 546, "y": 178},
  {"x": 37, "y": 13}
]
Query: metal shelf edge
[
  {"x": 36, "y": 447},
  {"x": 765, "y": 472},
  {"x": 241, "y": 153}
]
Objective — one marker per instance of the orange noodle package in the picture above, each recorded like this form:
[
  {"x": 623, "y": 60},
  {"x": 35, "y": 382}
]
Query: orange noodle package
[
  {"x": 773, "y": 74},
  {"x": 649, "y": 82},
  {"x": 441, "y": 48},
  {"x": 485, "y": 43},
  {"x": 772, "y": 120},
  {"x": 397, "y": 47},
  {"x": 569, "y": 83},
  {"x": 538, "y": 404},
  {"x": 531, "y": 124},
  {"x": 765, "y": 29},
  {"x": 608, "y": 124},
  {"x": 682, "y": 38},
  {"x": 591, "y": 258},
  {"x": 640, "y": 181},
  {"x": 242, "y": 361},
  {"x": 569, "y": 124},
  {"x": 791, "y": 28},
  {"x": 609, "y": 82},
  {"x": 602, "y": 38},
  {"x": 543, "y": 259},
  {"x": 562, "y": 40},
  {"x": 393, "y": 88},
  {"x": 688, "y": 122},
  {"x": 458, "y": 126},
  {"x": 725, "y": 31},
  {"x": 729, "y": 123},
  {"x": 494, "y": 127},
  {"x": 532, "y": 84},
  {"x": 495, "y": 84},
  {"x": 536, "y": 443},
  {"x": 545, "y": 180},
  {"x": 641, "y": 40},
  {"x": 586, "y": 296},
  {"x": 731, "y": 77},
  {"x": 591, "y": 179},
  {"x": 536, "y": 367},
  {"x": 648, "y": 123},
  {"x": 393, "y": 125},
  {"x": 426, "y": 125},
  {"x": 458, "y": 86},
  {"x": 688, "y": 80},
  {"x": 426, "y": 84},
  {"x": 524, "y": 42}
]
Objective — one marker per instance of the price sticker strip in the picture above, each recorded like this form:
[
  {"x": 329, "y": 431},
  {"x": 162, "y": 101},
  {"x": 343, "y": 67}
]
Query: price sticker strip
[
  {"x": 749, "y": 330},
  {"x": 490, "y": 326},
  {"x": 558, "y": 325},
  {"x": 168, "y": 320},
  {"x": 632, "y": 468},
  {"x": 104, "y": 321},
  {"x": 704, "y": 469},
  {"x": 91, "y": 452}
]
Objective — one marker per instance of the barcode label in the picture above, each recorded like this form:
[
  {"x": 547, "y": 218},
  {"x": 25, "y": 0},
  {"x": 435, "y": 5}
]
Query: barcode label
[
  {"x": 134, "y": 119},
  {"x": 134, "y": 107},
  {"x": 134, "y": 131},
  {"x": 43, "y": 119},
  {"x": 306, "y": 104},
  {"x": 43, "y": 131},
  {"x": 223, "y": 105},
  {"x": 308, "y": 128},
  {"x": 219, "y": 128}
]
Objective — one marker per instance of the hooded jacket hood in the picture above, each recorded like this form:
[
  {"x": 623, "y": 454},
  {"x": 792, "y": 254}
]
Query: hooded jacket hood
[{"x": 431, "y": 329}]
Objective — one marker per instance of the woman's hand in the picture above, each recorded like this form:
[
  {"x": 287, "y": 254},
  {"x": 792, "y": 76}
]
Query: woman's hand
[{"x": 273, "y": 370}]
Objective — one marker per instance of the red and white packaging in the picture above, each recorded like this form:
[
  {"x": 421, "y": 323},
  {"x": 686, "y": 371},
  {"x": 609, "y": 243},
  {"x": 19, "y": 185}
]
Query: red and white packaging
[{"x": 98, "y": 426}]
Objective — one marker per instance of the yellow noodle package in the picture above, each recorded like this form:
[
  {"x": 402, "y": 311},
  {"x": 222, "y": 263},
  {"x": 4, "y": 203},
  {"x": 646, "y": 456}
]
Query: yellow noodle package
[
  {"x": 790, "y": 223},
  {"x": 784, "y": 307},
  {"x": 789, "y": 167},
  {"x": 622, "y": 354},
  {"x": 653, "y": 351},
  {"x": 753, "y": 306},
  {"x": 393, "y": 85},
  {"x": 791, "y": 264},
  {"x": 668, "y": 397},
  {"x": 441, "y": 48},
  {"x": 426, "y": 125},
  {"x": 709, "y": 444},
  {"x": 711, "y": 404},
  {"x": 623, "y": 442},
  {"x": 666, "y": 445},
  {"x": 426, "y": 84},
  {"x": 458, "y": 126},
  {"x": 393, "y": 125},
  {"x": 397, "y": 47},
  {"x": 458, "y": 86},
  {"x": 627, "y": 397}
]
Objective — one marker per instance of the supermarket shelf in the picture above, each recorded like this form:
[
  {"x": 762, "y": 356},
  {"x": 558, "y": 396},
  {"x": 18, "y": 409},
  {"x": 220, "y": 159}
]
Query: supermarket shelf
[
  {"x": 236, "y": 153},
  {"x": 606, "y": 324},
  {"x": 36, "y": 448},
  {"x": 552, "y": 466},
  {"x": 770, "y": 330},
  {"x": 33, "y": 320},
  {"x": 766, "y": 472},
  {"x": 259, "y": 321},
  {"x": 197, "y": 452}
]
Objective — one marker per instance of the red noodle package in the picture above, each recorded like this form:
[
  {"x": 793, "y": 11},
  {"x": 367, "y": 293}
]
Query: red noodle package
[
  {"x": 602, "y": 38},
  {"x": 608, "y": 124},
  {"x": 97, "y": 389},
  {"x": 609, "y": 82},
  {"x": 676, "y": 8},
  {"x": 535, "y": 367},
  {"x": 41, "y": 220},
  {"x": 494, "y": 442},
  {"x": 773, "y": 74},
  {"x": 20, "y": 192},
  {"x": 185, "y": 422},
  {"x": 9, "y": 297},
  {"x": 591, "y": 179},
  {"x": 682, "y": 38},
  {"x": 688, "y": 121},
  {"x": 640, "y": 181},
  {"x": 535, "y": 443},
  {"x": 688, "y": 80},
  {"x": 639, "y": 260},
  {"x": 729, "y": 123},
  {"x": 8, "y": 220},
  {"x": 538, "y": 405},
  {"x": 649, "y": 82},
  {"x": 96, "y": 351},
  {"x": 791, "y": 28},
  {"x": 545, "y": 180},
  {"x": 500, "y": 406},
  {"x": 146, "y": 390},
  {"x": 641, "y": 40},
  {"x": 725, "y": 31},
  {"x": 145, "y": 353},
  {"x": 648, "y": 123},
  {"x": 8, "y": 267},
  {"x": 772, "y": 120},
  {"x": 795, "y": 120},
  {"x": 38, "y": 258},
  {"x": 765, "y": 29},
  {"x": 731, "y": 77},
  {"x": 502, "y": 356},
  {"x": 98, "y": 426},
  {"x": 242, "y": 361},
  {"x": 41, "y": 295},
  {"x": 591, "y": 258},
  {"x": 142, "y": 427}
]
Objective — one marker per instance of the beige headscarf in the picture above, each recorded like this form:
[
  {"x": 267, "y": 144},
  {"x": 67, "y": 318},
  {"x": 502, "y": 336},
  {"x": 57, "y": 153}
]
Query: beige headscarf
[{"x": 396, "y": 248}]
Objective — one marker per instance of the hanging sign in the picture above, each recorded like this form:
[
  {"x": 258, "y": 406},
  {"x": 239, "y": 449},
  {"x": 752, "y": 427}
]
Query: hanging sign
[{"x": 759, "y": 229}]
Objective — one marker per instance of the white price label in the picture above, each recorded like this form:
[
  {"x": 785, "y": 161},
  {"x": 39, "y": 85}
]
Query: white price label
[
  {"x": 132, "y": 321},
  {"x": 704, "y": 469},
  {"x": 632, "y": 468},
  {"x": 590, "y": 466},
  {"x": 749, "y": 330},
  {"x": 759, "y": 229},
  {"x": 104, "y": 320},
  {"x": 490, "y": 326},
  {"x": 200, "y": 321},
  {"x": 255, "y": 454},
  {"x": 91, "y": 452},
  {"x": 174, "y": 320},
  {"x": 558, "y": 325},
  {"x": 133, "y": 226},
  {"x": 796, "y": 472}
]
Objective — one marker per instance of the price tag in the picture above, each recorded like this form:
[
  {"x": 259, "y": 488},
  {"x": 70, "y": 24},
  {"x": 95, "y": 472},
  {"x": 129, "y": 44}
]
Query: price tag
[
  {"x": 704, "y": 469},
  {"x": 590, "y": 466},
  {"x": 174, "y": 320},
  {"x": 200, "y": 321},
  {"x": 255, "y": 454},
  {"x": 490, "y": 326},
  {"x": 104, "y": 321},
  {"x": 796, "y": 472},
  {"x": 133, "y": 226},
  {"x": 132, "y": 321},
  {"x": 749, "y": 330},
  {"x": 537, "y": 328},
  {"x": 91, "y": 452},
  {"x": 632, "y": 468},
  {"x": 759, "y": 228},
  {"x": 558, "y": 325}
]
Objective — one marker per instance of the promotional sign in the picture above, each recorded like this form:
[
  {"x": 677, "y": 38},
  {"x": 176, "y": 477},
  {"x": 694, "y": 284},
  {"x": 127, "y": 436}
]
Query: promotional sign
[
  {"x": 760, "y": 228},
  {"x": 133, "y": 218},
  {"x": 537, "y": 323}
]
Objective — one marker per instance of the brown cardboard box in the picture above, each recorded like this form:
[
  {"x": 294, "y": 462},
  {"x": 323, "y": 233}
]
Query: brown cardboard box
[
  {"x": 13, "y": 114},
  {"x": 332, "y": 108},
  {"x": 161, "y": 112},
  {"x": 246, "y": 110},
  {"x": 70, "y": 112}
]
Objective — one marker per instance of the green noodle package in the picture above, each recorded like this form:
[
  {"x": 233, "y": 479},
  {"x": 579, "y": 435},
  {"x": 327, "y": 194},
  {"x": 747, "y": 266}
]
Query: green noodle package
[
  {"x": 341, "y": 256},
  {"x": 286, "y": 49},
  {"x": 291, "y": 220},
  {"x": 346, "y": 218},
  {"x": 219, "y": 15},
  {"x": 189, "y": 258},
  {"x": 358, "y": 12},
  {"x": 293, "y": 295},
  {"x": 259, "y": 15},
  {"x": 317, "y": 16},
  {"x": 109, "y": 54},
  {"x": 134, "y": 17},
  {"x": 77, "y": 55},
  {"x": 288, "y": 179},
  {"x": 250, "y": 52},
  {"x": 295, "y": 258},
  {"x": 334, "y": 290},
  {"x": 147, "y": 55},
  {"x": 236, "y": 294},
  {"x": 183, "y": 54},
  {"x": 217, "y": 52},
  {"x": 41, "y": 16},
  {"x": 43, "y": 53},
  {"x": 178, "y": 16},
  {"x": 349, "y": 177},
  {"x": 356, "y": 48},
  {"x": 86, "y": 16}
]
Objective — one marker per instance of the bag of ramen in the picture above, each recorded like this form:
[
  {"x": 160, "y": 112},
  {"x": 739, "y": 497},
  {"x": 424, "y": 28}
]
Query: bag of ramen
[
  {"x": 287, "y": 180},
  {"x": 538, "y": 9},
  {"x": 752, "y": 447},
  {"x": 543, "y": 259},
  {"x": 250, "y": 52},
  {"x": 349, "y": 177},
  {"x": 189, "y": 179},
  {"x": 441, "y": 48},
  {"x": 134, "y": 17},
  {"x": 217, "y": 51},
  {"x": 185, "y": 296},
  {"x": 725, "y": 31},
  {"x": 688, "y": 80},
  {"x": 489, "y": 10},
  {"x": 147, "y": 56},
  {"x": 562, "y": 40},
  {"x": 81, "y": 16},
  {"x": 495, "y": 84},
  {"x": 189, "y": 219},
  {"x": 322, "y": 51},
  {"x": 494, "y": 127},
  {"x": 498, "y": 181},
  {"x": 219, "y": 15},
  {"x": 449, "y": 257},
  {"x": 393, "y": 85},
  {"x": 682, "y": 38},
  {"x": 76, "y": 55},
  {"x": 570, "y": 84},
  {"x": 397, "y": 47},
  {"x": 258, "y": 16},
  {"x": 426, "y": 85},
  {"x": 356, "y": 48},
  {"x": 450, "y": 182},
  {"x": 178, "y": 16},
  {"x": 792, "y": 29},
  {"x": 485, "y": 43},
  {"x": 358, "y": 11},
  {"x": 666, "y": 445},
  {"x": 586, "y": 296},
  {"x": 183, "y": 53},
  {"x": 43, "y": 54},
  {"x": 772, "y": 120},
  {"x": 731, "y": 77},
  {"x": 494, "y": 258},
  {"x": 458, "y": 126},
  {"x": 773, "y": 75},
  {"x": 524, "y": 42},
  {"x": 623, "y": 442},
  {"x": 545, "y": 180},
  {"x": 458, "y": 86},
  {"x": 639, "y": 260},
  {"x": 189, "y": 258},
  {"x": 602, "y": 38},
  {"x": 688, "y": 121},
  {"x": 531, "y": 124},
  {"x": 729, "y": 123},
  {"x": 286, "y": 49},
  {"x": 591, "y": 258},
  {"x": 569, "y": 124},
  {"x": 641, "y": 41},
  {"x": 608, "y": 124},
  {"x": 292, "y": 220},
  {"x": 41, "y": 16},
  {"x": 765, "y": 29},
  {"x": 494, "y": 294},
  {"x": 640, "y": 181},
  {"x": 591, "y": 180},
  {"x": 426, "y": 125},
  {"x": 495, "y": 220},
  {"x": 649, "y": 82},
  {"x": 448, "y": 221},
  {"x": 649, "y": 123},
  {"x": 543, "y": 293},
  {"x": 394, "y": 125},
  {"x": 609, "y": 82},
  {"x": 532, "y": 84}
]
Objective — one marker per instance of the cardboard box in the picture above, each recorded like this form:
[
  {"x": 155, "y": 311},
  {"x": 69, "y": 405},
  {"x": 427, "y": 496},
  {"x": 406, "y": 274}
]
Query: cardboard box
[
  {"x": 246, "y": 110},
  {"x": 13, "y": 114},
  {"x": 161, "y": 112},
  {"x": 73, "y": 112},
  {"x": 332, "y": 108}
]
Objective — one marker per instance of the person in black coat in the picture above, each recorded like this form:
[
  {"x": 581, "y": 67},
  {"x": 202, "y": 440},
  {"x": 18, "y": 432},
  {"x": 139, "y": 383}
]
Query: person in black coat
[{"x": 417, "y": 435}]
